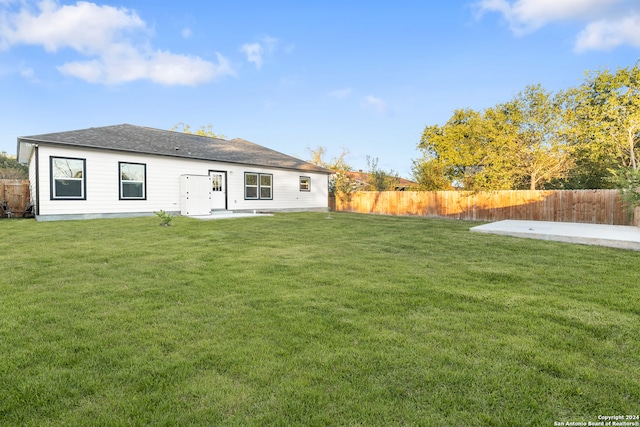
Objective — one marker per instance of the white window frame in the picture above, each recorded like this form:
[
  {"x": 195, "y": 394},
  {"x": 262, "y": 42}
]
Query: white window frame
[
  {"x": 264, "y": 187},
  {"x": 256, "y": 186},
  {"x": 122, "y": 182},
  {"x": 81, "y": 179},
  {"x": 305, "y": 183},
  {"x": 259, "y": 186}
]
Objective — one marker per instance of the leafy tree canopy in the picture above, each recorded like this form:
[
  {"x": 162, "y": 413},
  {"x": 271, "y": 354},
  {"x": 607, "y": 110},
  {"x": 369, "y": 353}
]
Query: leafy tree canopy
[
  {"x": 202, "y": 130},
  {"x": 11, "y": 169},
  {"x": 340, "y": 184},
  {"x": 578, "y": 138},
  {"x": 379, "y": 179}
]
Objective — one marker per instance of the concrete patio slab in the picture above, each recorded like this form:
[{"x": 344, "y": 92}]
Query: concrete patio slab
[
  {"x": 614, "y": 236},
  {"x": 227, "y": 215}
]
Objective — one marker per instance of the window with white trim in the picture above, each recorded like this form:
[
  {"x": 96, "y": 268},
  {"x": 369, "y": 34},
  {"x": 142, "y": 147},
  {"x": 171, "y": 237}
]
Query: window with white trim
[
  {"x": 68, "y": 178},
  {"x": 133, "y": 181},
  {"x": 265, "y": 186},
  {"x": 305, "y": 183},
  {"x": 258, "y": 186}
]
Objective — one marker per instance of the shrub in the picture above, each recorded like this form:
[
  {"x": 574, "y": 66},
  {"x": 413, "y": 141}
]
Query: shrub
[{"x": 165, "y": 218}]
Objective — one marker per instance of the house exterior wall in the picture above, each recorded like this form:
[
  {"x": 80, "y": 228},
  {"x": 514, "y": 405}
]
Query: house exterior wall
[{"x": 163, "y": 184}]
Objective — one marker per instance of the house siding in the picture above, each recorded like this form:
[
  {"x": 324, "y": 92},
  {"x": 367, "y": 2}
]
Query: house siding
[{"x": 163, "y": 184}]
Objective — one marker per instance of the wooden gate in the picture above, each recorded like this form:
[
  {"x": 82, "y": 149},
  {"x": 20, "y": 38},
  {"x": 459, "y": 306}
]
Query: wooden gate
[{"x": 16, "y": 194}]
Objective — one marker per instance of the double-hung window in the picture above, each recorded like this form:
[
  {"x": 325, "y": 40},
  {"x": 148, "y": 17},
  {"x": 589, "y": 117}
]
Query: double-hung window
[
  {"x": 68, "y": 178},
  {"x": 133, "y": 181},
  {"x": 258, "y": 186},
  {"x": 265, "y": 186}
]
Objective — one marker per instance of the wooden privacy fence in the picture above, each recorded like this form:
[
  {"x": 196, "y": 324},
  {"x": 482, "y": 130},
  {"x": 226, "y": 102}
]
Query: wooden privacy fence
[
  {"x": 586, "y": 206},
  {"x": 16, "y": 193}
]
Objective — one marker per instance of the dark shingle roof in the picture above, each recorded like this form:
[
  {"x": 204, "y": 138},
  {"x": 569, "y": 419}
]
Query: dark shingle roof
[{"x": 139, "y": 139}]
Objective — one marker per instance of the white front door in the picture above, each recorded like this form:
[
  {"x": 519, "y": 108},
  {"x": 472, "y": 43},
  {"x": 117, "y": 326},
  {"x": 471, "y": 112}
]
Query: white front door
[{"x": 218, "y": 190}]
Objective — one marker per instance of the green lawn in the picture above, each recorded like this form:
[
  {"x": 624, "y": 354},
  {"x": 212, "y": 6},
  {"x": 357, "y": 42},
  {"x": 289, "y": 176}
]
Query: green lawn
[{"x": 298, "y": 319}]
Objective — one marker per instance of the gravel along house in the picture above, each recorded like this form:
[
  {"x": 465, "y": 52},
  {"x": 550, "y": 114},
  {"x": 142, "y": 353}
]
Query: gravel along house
[{"x": 127, "y": 170}]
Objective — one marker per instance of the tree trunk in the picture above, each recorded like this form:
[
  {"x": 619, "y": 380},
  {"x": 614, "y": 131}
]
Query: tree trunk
[{"x": 532, "y": 183}]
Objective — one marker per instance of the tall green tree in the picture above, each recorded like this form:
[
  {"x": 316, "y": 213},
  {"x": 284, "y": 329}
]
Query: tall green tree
[
  {"x": 593, "y": 156},
  {"x": 517, "y": 144},
  {"x": 379, "y": 179},
  {"x": 538, "y": 151},
  {"x": 429, "y": 173},
  {"x": 607, "y": 115},
  {"x": 608, "y": 122},
  {"x": 455, "y": 149}
]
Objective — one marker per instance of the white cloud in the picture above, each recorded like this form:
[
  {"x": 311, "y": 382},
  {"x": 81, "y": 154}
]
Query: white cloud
[
  {"x": 256, "y": 52},
  {"x": 85, "y": 27},
  {"x": 528, "y": 15},
  {"x": 108, "y": 35},
  {"x": 186, "y": 33},
  {"x": 27, "y": 72},
  {"x": 606, "y": 35},
  {"x": 377, "y": 104},
  {"x": 608, "y": 23},
  {"x": 160, "y": 67},
  {"x": 341, "y": 93}
]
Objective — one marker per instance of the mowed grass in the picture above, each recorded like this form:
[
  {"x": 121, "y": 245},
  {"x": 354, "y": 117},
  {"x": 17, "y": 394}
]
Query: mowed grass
[{"x": 298, "y": 319}]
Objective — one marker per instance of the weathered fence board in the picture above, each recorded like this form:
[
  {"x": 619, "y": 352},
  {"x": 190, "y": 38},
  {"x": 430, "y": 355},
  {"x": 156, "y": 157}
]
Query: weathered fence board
[
  {"x": 16, "y": 193},
  {"x": 586, "y": 206}
]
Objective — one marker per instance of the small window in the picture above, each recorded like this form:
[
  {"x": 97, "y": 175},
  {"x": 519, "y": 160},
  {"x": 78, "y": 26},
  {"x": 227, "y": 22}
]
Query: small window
[
  {"x": 216, "y": 182},
  {"x": 258, "y": 186},
  {"x": 265, "y": 186},
  {"x": 133, "y": 181},
  {"x": 305, "y": 183},
  {"x": 251, "y": 186},
  {"x": 68, "y": 178}
]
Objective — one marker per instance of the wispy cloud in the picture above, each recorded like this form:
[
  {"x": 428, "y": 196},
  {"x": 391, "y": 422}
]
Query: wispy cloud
[
  {"x": 115, "y": 39},
  {"x": 258, "y": 51},
  {"x": 29, "y": 74},
  {"x": 376, "y": 104},
  {"x": 608, "y": 23},
  {"x": 341, "y": 93},
  {"x": 254, "y": 52}
]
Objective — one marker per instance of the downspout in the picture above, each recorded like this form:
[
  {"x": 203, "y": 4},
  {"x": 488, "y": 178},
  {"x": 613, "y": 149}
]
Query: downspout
[{"x": 37, "y": 181}]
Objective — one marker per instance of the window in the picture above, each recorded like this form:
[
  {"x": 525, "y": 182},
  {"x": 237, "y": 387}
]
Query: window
[
  {"x": 68, "y": 178},
  {"x": 250, "y": 185},
  {"x": 265, "y": 186},
  {"x": 258, "y": 186},
  {"x": 216, "y": 182},
  {"x": 133, "y": 180},
  {"x": 305, "y": 183}
]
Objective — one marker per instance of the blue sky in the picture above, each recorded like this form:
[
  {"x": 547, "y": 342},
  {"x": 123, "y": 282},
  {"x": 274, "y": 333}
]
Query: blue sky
[{"x": 293, "y": 75}]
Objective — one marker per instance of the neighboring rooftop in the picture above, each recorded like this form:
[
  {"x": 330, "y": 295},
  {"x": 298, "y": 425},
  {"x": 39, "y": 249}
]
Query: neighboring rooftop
[
  {"x": 362, "y": 181},
  {"x": 144, "y": 140}
]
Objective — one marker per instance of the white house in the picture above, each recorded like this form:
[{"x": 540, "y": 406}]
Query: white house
[{"x": 127, "y": 170}]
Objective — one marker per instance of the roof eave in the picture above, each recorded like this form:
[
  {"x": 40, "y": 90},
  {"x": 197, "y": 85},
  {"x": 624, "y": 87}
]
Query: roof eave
[{"x": 30, "y": 142}]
